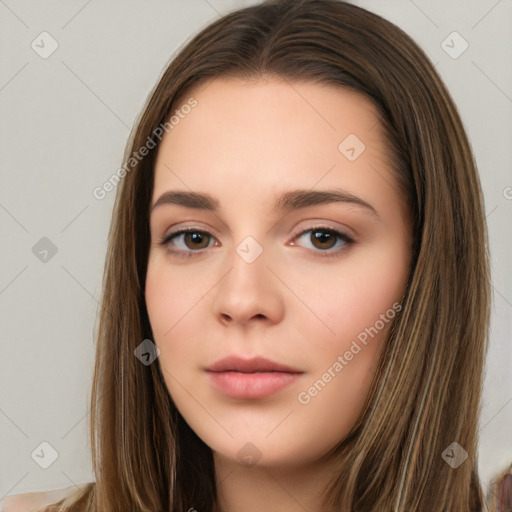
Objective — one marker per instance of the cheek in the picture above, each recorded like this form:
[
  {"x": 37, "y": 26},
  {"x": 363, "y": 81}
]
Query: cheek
[
  {"x": 351, "y": 296},
  {"x": 359, "y": 306},
  {"x": 171, "y": 296},
  {"x": 343, "y": 366},
  {"x": 170, "y": 303}
]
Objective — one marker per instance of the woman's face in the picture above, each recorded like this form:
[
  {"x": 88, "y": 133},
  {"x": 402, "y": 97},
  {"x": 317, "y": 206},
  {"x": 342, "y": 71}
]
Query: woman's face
[{"x": 299, "y": 255}]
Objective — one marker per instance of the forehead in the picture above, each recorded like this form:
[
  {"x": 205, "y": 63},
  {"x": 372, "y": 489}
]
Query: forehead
[{"x": 271, "y": 134}]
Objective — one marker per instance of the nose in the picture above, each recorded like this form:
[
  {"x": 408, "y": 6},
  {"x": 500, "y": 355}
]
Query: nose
[{"x": 248, "y": 293}]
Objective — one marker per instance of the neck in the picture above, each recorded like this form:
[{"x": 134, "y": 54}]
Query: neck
[{"x": 287, "y": 489}]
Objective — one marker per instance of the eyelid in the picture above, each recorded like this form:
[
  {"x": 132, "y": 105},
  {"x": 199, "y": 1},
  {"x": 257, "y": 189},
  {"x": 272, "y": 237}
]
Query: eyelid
[
  {"x": 339, "y": 233},
  {"x": 319, "y": 224},
  {"x": 347, "y": 239},
  {"x": 166, "y": 239}
]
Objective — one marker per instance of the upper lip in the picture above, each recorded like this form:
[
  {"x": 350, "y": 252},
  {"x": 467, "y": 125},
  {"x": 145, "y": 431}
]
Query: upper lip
[{"x": 254, "y": 364}]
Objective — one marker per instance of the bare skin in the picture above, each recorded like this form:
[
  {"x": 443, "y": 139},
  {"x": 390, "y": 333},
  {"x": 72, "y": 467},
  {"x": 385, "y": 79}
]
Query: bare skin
[
  {"x": 246, "y": 144},
  {"x": 34, "y": 501}
]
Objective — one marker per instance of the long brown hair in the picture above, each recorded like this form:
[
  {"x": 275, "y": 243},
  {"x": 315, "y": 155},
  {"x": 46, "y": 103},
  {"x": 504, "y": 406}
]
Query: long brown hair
[{"x": 427, "y": 389}]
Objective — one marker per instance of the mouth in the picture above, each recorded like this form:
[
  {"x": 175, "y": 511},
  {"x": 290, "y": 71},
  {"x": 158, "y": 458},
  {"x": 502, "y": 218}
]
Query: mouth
[{"x": 253, "y": 378}]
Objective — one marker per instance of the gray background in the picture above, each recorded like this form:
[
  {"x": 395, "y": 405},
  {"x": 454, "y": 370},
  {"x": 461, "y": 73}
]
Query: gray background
[{"x": 64, "y": 123}]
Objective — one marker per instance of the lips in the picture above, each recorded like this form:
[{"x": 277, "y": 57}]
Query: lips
[
  {"x": 253, "y": 365},
  {"x": 253, "y": 378}
]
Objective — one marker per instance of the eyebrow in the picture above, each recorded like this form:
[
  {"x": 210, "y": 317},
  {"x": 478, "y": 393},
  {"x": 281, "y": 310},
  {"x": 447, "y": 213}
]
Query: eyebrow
[{"x": 292, "y": 200}]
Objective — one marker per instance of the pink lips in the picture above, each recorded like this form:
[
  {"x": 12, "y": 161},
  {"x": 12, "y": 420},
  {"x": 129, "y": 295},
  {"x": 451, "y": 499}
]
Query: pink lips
[{"x": 253, "y": 378}]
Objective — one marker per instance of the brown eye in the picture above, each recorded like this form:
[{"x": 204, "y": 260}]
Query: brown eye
[
  {"x": 323, "y": 238},
  {"x": 196, "y": 239},
  {"x": 186, "y": 242},
  {"x": 325, "y": 241}
]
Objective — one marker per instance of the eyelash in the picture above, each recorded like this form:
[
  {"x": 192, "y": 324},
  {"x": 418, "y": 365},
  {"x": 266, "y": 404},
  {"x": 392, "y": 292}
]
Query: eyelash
[{"x": 329, "y": 253}]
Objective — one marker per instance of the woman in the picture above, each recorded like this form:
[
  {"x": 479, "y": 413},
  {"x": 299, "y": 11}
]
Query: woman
[{"x": 296, "y": 290}]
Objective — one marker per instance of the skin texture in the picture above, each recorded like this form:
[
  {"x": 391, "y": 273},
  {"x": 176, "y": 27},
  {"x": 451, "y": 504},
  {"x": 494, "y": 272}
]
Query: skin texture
[{"x": 245, "y": 143}]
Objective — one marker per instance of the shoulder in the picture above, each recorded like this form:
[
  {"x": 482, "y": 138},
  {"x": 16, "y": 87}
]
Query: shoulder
[{"x": 34, "y": 501}]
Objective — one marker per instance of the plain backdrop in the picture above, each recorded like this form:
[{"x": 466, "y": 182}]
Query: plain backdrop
[{"x": 65, "y": 119}]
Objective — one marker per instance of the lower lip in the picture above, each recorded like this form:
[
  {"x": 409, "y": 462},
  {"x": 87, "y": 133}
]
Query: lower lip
[{"x": 251, "y": 385}]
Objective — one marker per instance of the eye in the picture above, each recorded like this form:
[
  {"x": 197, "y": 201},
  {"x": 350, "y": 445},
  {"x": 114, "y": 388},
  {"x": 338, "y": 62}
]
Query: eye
[
  {"x": 187, "y": 241},
  {"x": 327, "y": 241}
]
